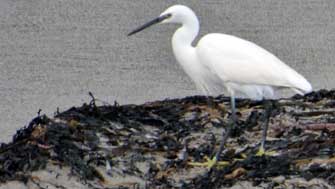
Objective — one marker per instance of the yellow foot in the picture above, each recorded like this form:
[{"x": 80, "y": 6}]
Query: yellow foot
[
  {"x": 210, "y": 163},
  {"x": 262, "y": 152}
]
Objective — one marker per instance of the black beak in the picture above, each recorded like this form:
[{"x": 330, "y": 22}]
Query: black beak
[{"x": 152, "y": 22}]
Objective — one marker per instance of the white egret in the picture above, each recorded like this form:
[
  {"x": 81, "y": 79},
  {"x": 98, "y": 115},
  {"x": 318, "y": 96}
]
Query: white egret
[{"x": 221, "y": 61}]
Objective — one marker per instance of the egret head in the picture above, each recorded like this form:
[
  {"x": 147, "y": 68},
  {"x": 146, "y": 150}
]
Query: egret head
[{"x": 177, "y": 14}]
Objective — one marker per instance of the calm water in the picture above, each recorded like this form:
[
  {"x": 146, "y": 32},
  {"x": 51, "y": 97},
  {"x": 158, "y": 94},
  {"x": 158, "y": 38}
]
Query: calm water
[{"x": 52, "y": 52}]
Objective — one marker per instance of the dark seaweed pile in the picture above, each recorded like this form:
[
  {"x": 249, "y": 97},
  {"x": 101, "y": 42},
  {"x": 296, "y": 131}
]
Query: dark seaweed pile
[{"x": 166, "y": 135}]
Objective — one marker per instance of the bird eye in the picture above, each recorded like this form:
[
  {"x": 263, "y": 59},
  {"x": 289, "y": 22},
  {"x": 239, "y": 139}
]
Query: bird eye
[{"x": 167, "y": 16}]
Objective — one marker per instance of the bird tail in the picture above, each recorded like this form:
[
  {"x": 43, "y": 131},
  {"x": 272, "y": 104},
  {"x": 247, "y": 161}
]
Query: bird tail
[{"x": 302, "y": 86}]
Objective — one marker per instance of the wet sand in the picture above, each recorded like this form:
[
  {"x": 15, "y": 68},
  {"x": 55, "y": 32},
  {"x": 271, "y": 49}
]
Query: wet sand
[{"x": 53, "y": 52}]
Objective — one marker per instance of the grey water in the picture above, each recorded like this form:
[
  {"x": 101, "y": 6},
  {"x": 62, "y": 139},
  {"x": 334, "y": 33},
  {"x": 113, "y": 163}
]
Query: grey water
[{"x": 53, "y": 52}]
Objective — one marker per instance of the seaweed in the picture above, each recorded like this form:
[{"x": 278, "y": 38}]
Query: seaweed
[{"x": 150, "y": 145}]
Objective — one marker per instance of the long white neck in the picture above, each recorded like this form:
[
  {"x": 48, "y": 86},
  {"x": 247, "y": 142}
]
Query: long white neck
[{"x": 182, "y": 40}]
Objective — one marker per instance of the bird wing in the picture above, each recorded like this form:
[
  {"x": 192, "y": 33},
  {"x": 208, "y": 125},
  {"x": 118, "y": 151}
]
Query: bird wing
[{"x": 239, "y": 61}]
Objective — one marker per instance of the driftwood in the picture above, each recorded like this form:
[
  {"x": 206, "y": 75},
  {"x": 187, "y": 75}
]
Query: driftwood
[{"x": 151, "y": 145}]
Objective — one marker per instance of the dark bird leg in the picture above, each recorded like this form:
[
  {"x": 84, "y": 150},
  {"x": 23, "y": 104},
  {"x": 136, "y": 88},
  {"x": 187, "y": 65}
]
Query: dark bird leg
[
  {"x": 226, "y": 133},
  {"x": 214, "y": 161},
  {"x": 268, "y": 108}
]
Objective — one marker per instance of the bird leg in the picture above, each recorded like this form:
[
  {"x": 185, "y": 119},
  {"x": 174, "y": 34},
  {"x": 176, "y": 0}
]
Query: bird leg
[
  {"x": 226, "y": 133},
  {"x": 214, "y": 161},
  {"x": 268, "y": 106}
]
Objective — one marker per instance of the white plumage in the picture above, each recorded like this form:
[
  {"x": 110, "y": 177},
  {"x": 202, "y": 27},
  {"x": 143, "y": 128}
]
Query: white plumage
[
  {"x": 246, "y": 68},
  {"x": 221, "y": 61}
]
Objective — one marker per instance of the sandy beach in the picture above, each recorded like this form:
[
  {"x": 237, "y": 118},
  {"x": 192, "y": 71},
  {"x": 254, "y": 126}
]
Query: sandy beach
[{"x": 52, "y": 53}]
